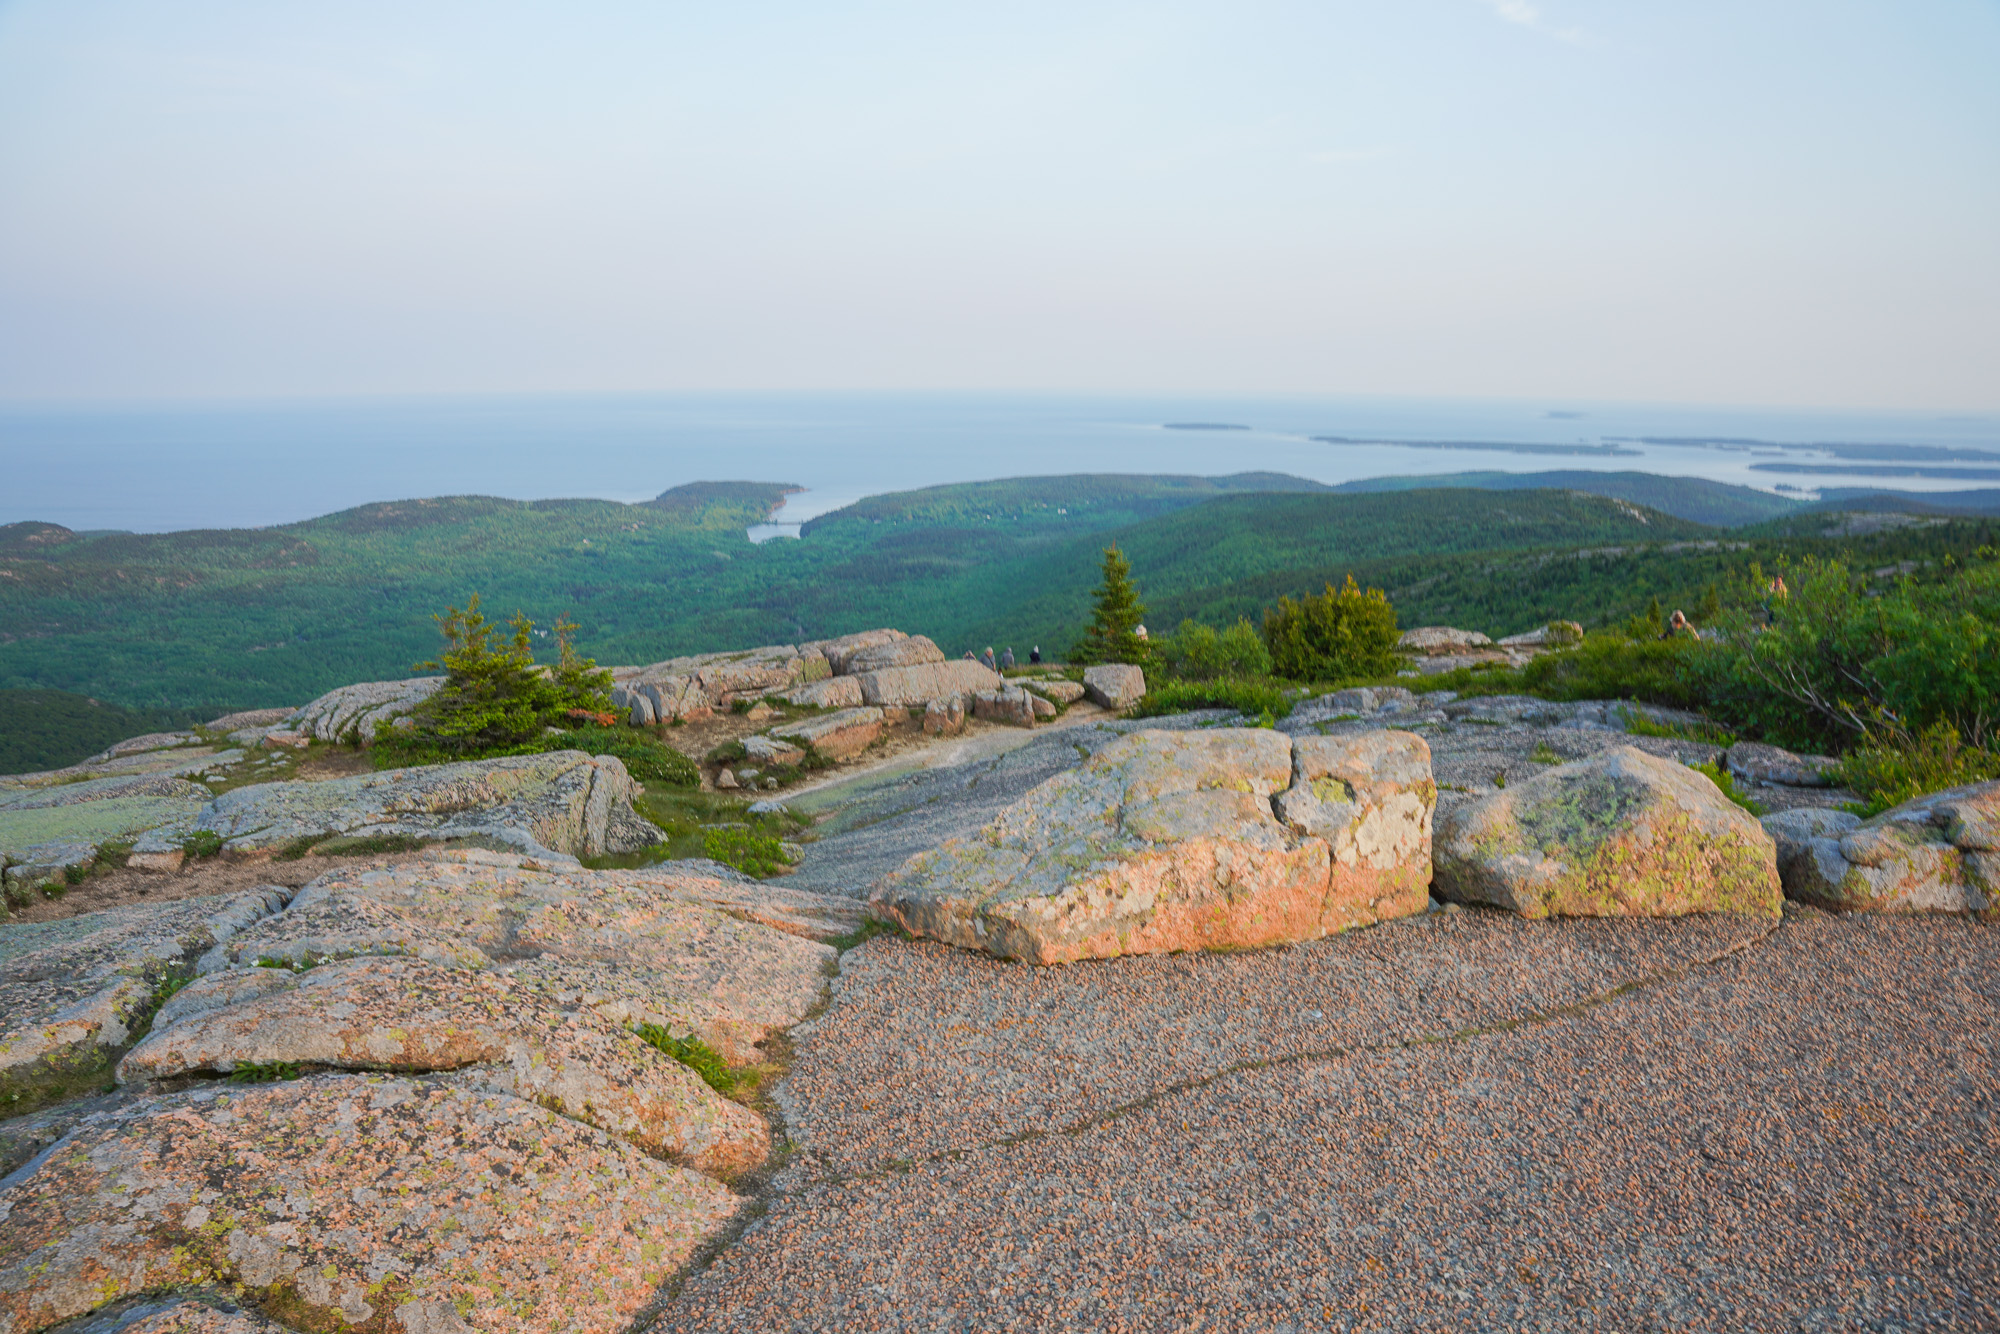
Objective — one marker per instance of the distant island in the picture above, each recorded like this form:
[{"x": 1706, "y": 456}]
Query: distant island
[
  {"x": 1203, "y": 426},
  {"x": 1491, "y": 446}
]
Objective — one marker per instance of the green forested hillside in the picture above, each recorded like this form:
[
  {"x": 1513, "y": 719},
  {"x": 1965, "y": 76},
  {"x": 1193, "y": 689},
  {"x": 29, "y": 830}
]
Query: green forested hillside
[
  {"x": 246, "y": 618},
  {"x": 1696, "y": 498}
]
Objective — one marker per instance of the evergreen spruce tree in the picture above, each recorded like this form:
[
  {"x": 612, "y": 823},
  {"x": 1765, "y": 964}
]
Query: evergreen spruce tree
[{"x": 1118, "y": 614}]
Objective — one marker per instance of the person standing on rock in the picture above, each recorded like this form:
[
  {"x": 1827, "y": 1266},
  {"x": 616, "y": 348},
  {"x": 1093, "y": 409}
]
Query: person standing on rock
[
  {"x": 1035, "y": 655},
  {"x": 987, "y": 658},
  {"x": 1007, "y": 659}
]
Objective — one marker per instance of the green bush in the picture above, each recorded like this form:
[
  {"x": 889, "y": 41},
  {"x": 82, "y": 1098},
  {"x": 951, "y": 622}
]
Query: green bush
[
  {"x": 1197, "y": 652},
  {"x": 1892, "y": 767},
  {"x": 693, "y": 1053},
  {"x": 1254, "y": 698},
  {"x": 752, "y": 853},
  {"x": 1336, "y": 635},
  {"x": 646, "y": 759},
  {"x": 1610, "y": 664},
  {"x": 495, "y": 700},
  {"x": 1832, "y": 664},
  {"x": 202, "y": 843}
]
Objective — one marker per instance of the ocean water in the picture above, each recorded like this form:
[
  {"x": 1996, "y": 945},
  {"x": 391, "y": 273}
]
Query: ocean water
[{"x": 160, "y": 467}]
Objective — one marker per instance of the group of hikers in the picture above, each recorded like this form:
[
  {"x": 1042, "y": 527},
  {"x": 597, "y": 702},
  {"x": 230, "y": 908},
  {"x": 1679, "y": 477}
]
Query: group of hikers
[
  {"x": 1005, "y": 662},
  {"x": 1679, "y": 624}
]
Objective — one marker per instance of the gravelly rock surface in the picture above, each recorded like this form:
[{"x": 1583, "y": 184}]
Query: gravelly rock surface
[
  {"x": 306, "y": 1193},
  {"x": 1718, "y": 1149}
]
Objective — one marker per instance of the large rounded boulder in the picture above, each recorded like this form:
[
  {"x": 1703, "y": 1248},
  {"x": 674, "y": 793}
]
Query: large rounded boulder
[
  {"x": 1167, "y": 841},
  {"x": 1622, "y": 834},
  {"x": 1936, "y": 853}
]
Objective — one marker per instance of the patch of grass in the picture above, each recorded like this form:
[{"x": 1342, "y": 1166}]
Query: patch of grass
[
  {"x": 1543, "y": 755},
  {"x": 304, "y": 963},
  {"x": 686, "y": 817},
  {"x": 693, "y": 1053},
  {"x": 726, "y": 753},
  {"x": 202, "y": 843},
  {"x": 750, "y": 852},
  {"x": 1726, "y": 782},
  {"x": 1256, "y": 698},
  {"x": 264, "y": 1072},
  {"x": 296, "y": 849},
  {"x": 645, "y": 757},
  {"x": 1638, "y": 724},
  {"x": 363, "y": 845},
  {"x": 866, "y": 932}
]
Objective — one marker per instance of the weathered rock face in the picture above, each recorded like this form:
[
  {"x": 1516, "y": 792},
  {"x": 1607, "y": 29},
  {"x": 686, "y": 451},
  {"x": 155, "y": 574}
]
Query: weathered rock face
[
  {"x": 944, "y": 717},
  {"x": 73, "y": 991},
  {"x": 1435, "y": 640},
  {"x": 1011, "y": 705},
  {"x": 209, "y": 1314},
  {"x": 729, "y": 961},
  {"x": 1371, "y": 799},
  {"x": 1939, "y": 853},
  {"x": 1062, "y": 692},
  {"x": 1162, "y": 841},
  {"x": 838, "y": 736},
  {"x": 1114, "y": 685},
  {"x": 411, "y": 1014},
  {"x": 902, "y": 687},
  {"x": 230, "y": 722},
  {"x": 837, "y": 692},
  {"x": 43, "y": 829},
  {"x": 768, "y": 750},
  {"x": 562, "y": 804},
  {"x": 352, "y": 712},
  {"x": 1622, "y": 834},
  {"x": 840, "y": 653},
  {"x": 1758, "y": 763},
  {"x": 301, "y": 1191},
  {"x": 910, "y": 651}
]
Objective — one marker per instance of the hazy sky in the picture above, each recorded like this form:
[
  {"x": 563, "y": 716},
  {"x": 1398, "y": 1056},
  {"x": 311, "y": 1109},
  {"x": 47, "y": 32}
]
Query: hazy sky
[{"x": 1757, "y": 201}]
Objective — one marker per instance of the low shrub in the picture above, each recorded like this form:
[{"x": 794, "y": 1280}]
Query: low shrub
[
  {"x": 264, "y": 1072},
  {"x": 202, "y": 843},
  {"x": 693, "y": 1053},
  {"x": 646, "y": 759},
  {"x": 1343, "y": 632},
  {"x": 1893, "y": 767},
  {"x": 1197, "y": 652},
  {"x": 761, "y": 855},
  {"x": 1255, "y": 698}
]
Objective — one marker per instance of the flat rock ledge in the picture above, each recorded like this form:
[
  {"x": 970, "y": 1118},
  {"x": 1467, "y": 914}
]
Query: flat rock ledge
[
  {"x": 481, "y": 1138},
  {"x": 561, "y": 805},
  {"x": 1167, "y": 841},
  {"x": 1622, "y": 834}
]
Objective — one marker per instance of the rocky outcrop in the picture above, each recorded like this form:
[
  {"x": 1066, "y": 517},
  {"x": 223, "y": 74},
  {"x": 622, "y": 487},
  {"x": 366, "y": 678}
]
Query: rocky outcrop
[
  {"x": 1939, "y": 853},
  {"x": 840, "y": 653},
  {"x": 492, "y": 1212},
  {"x": 905, "y": 687},
  {"x": 1114, "y": 685},
  {"x": 45, "y": 829},
  {"x": 729, "y": 961},
  {"x": 944, "y": 717},
  {"x": 769, "y": 750},
  {"x": 562, "y": 804},
  {"x": 1556, "y": 634},
  {"x": 1011, "y": 705},
  {"x": 1166, "y": 841},
  {"x": 412, "y": 1014},
  {"x": 1754, "y": 762},
  {"x": 1371, "y": 799},
  {"x": 1440, "y": 640},
  {"x": 909, "y": 651},
  {"x": 1064, "y": 693},
  {"x": 1622, "y": 834},
  {"x": 73, "y": 992},
  {"x": 251, "y": 718},
  {"x": 837, "y": 736},
  {"x": 351, "y": 713},
  {"x": 836, "y": 692}
]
